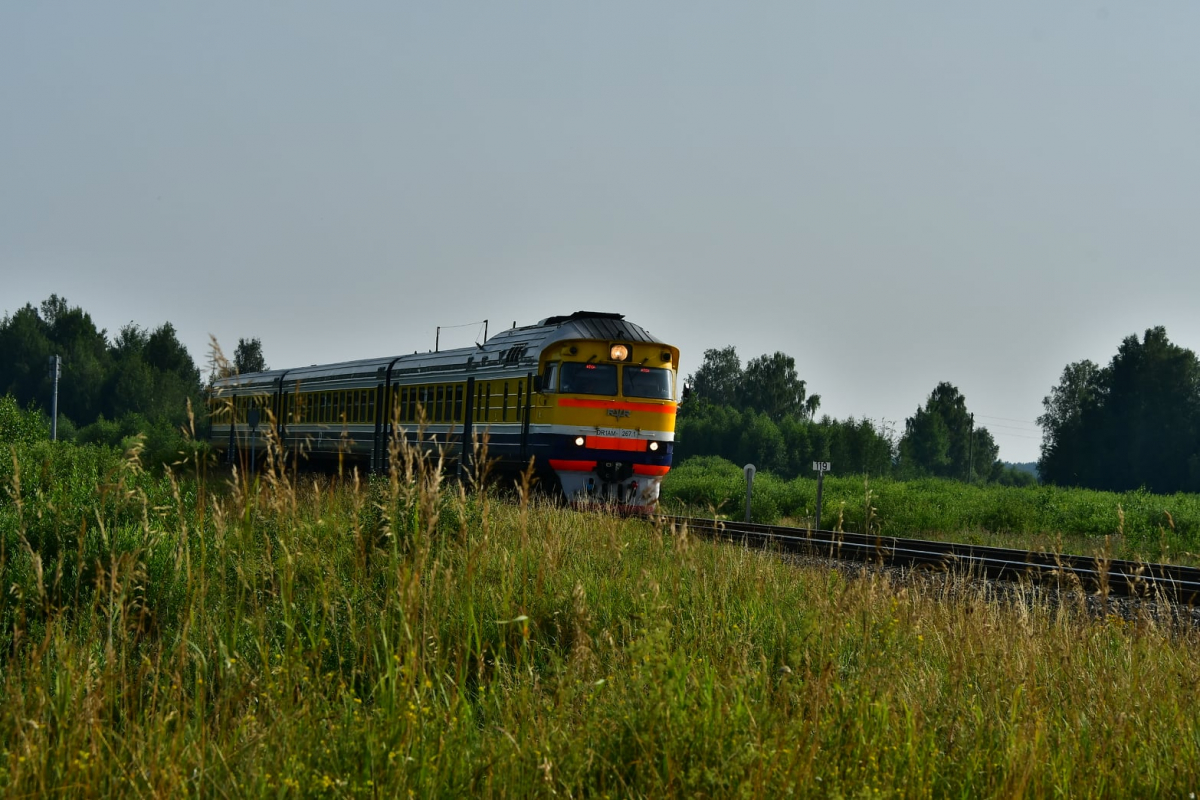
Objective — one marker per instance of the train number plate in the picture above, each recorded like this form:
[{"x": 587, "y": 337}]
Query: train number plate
[{"x": 622, "y": 433}]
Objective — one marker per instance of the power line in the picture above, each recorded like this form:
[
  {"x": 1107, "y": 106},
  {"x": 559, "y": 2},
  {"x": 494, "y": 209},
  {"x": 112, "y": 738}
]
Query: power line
[
  {"x": 1017, "y": 436},
  {"x": 1009, "y": 419}
]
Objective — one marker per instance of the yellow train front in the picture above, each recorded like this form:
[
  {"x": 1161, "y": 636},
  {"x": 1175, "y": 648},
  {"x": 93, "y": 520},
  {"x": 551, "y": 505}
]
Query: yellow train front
[
  {"x": 590, "y": 397},
  {"x": 604, "y": 418}
]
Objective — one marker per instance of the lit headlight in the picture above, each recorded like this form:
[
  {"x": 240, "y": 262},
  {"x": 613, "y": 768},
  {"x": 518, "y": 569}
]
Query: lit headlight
[
  {"x": 618, "y": 352},
  {"x": 654, "y": 445},
  {"x": 579, "y": 440}
]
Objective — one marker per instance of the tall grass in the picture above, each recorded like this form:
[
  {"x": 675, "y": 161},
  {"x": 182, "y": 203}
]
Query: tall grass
[{"x": 313, "y": 636}]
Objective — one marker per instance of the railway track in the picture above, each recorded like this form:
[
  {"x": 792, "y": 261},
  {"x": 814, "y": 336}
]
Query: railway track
[{"x": 1118, "y": 578}]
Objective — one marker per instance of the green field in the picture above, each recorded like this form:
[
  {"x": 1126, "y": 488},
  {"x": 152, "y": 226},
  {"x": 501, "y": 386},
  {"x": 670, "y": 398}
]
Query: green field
[
  {"x": 165, "y": 637},
  {"x": 1130, "y": 525}
]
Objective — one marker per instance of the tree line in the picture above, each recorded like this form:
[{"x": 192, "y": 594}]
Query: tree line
[
  {"x": 1131, "y": 424},
  {"x": 763, "y": 414},
  {"x": 140, "y": 381}
]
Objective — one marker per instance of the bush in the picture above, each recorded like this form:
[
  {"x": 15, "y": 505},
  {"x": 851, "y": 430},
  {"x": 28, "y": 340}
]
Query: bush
[
  {"x": 19, "y": 426},
  {"x": 162, "y": 443}
]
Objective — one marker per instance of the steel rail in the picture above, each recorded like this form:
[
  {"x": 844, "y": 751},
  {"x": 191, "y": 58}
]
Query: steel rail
[{"x": 1116, "y": 577}]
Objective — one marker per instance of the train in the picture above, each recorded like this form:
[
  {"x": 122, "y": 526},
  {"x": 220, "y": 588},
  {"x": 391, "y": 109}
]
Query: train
[{"x": 590, "y": 397}]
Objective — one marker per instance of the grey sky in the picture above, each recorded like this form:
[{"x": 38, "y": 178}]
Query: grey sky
[{"x": 894, "y": 193}]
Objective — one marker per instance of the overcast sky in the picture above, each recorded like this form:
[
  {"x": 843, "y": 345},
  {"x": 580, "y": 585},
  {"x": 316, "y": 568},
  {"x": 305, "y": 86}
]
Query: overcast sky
[{"x": 895, "y": 194}]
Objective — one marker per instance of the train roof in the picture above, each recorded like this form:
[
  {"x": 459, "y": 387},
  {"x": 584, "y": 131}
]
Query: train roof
[{"x": 515, "y": 346}]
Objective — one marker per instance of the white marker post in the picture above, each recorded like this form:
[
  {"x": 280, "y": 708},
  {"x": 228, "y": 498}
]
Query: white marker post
[
  {"x": 820, "y": 467},
  {"x": 749, "y": 470}
]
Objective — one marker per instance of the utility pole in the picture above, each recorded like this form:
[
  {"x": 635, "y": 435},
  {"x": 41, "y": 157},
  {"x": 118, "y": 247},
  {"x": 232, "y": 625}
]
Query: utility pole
[
  {"x": 55, "y": 374},
  {"x": 971, "y": 453}
]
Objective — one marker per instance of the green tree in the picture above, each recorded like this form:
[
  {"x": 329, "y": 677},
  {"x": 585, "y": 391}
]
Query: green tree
[
  {"x": 771, "y": 385},
  {"x": 1080, "y": 388},
  {"x": 718, "y": 381},
  {"x": 941, "y": 439},
  {"x": 248, "y": 357}
]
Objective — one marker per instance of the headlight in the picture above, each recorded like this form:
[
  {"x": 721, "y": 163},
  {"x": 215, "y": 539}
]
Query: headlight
[
  {"x": 654, "y": 445},
  {"x": 579, "y": 440},
  {"x": 618, "y": 352}
]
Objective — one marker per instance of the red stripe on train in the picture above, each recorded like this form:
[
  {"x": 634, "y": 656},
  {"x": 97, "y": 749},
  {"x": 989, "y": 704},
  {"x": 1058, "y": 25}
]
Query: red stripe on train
[
  {"x": 564, "y": 465},
  {"x": 614, "y": 443}
]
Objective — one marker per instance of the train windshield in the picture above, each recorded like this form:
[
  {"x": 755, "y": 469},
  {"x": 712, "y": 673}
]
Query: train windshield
[
  {"x": 577, "y": 378},
  {"x": 647, "y": 382}
]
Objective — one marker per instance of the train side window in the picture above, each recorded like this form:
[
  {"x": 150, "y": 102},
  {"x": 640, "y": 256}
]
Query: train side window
[
  {"x": 487, "y": 402},
  {"x": 479, "y": 401},
  {"x": 520, "y": 391},
  {"x": 550, "y": 377},
  {"x": 439, "y": 403},
  {"x": 458, "y": 403},
  {"x": 504, "y": 407}
]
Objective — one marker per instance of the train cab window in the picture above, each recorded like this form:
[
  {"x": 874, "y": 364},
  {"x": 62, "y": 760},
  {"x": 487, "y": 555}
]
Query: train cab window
[
  {"x": 550, "y": 377},
  {"x": 647, "y": 382},
  {"x": 580, "y": 378}
]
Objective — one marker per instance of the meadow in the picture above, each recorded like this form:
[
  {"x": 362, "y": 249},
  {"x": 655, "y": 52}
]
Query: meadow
[
  {"x": 203, "y": 634},
  {"x": 1126, "y": 525}
]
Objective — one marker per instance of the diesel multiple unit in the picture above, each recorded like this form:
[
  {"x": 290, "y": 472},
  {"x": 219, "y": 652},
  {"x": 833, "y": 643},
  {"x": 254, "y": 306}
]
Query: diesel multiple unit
[{"x": 590, "y": 397}]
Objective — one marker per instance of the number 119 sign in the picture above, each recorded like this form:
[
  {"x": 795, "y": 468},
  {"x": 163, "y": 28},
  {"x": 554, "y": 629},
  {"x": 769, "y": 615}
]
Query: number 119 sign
[{"x": 820, "y": 467}]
